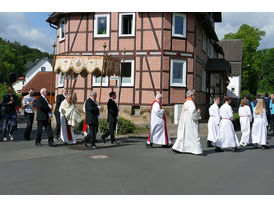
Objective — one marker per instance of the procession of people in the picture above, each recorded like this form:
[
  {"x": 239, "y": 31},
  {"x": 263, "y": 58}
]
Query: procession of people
[{"x": 255, "y": 117}]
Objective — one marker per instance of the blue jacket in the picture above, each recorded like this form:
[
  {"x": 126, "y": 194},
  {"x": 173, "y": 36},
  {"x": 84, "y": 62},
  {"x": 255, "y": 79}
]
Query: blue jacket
[{"x": 271, "y": 106}]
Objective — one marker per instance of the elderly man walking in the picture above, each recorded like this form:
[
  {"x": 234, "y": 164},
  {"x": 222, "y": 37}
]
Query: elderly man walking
[
  {"x": 92, "y": 113},
  {"x": 188, "y": 140},
  {"x": 158, "y": 133},
  {"x": 43, "y": 118}
]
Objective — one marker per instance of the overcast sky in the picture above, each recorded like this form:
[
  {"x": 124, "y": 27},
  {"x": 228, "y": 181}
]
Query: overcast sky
[{"x": 31, "y": 29}]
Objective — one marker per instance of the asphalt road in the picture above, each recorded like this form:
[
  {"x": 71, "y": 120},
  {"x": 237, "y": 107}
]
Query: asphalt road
[{"x": 131, "y": 169}]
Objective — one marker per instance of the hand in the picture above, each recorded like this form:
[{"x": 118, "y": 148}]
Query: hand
[
  {"x": 99, "y": 107},
  {"x": 50, "y": 106},
  {"x": 199, "y": 110}
]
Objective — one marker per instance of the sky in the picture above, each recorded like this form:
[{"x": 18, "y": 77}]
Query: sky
[{"x": 31, "y": 28}]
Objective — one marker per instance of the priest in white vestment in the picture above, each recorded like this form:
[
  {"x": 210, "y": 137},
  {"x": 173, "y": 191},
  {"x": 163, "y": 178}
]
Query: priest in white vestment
[
  {"x": 158, "y": 133},
  {"x": 259, "y": 129},
  {"x": 245, "y": 119},
  {"x": 213, "y": 122},
  {"x": 70, "y": 117},
  {"x": 227, "y": 137},
  {"x": 188, "y": 140}
]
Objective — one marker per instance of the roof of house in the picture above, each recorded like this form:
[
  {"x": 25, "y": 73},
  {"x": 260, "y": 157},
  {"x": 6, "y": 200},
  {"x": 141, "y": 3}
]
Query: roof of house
[
  {"x": 233, "y": 52},
  {"x": 39, "y": 81},
  {"x": 29, "y": 65},
  {"x": 233, "y": 49}
]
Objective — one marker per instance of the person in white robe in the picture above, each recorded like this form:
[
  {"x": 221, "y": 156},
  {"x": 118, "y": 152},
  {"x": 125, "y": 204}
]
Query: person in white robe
[
  {"x": 158, "y": 133},
  {"x": 259, "y": 128},
  {"x": 227, "y": 137},
  {"x": 188, "y": 140},
  {"x": 70, "y": 118},
  {"x": 245, "y": 119},
  {"x": 213, "y": 122}
]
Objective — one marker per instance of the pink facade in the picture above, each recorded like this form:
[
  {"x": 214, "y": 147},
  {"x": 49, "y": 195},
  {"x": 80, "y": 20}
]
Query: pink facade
[{"x": 152, "y": 50}]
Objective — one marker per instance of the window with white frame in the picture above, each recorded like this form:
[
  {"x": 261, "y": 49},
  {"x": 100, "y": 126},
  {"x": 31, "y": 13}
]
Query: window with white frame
[
  {"x": 178, "y": 73},
  {"x": 128, "y": 73},
  {"x": 97, "y": 81},
  {"x": 127, "y": 24},
  {"x": 204, "y": 39},
  {"x": 43, "y": 69},
  {"x": 203, "y": 80},
  {"x": 101, "y": 25},
  {"x": 60, "y": 80},
  {"x": 179, "y": 25},
  {"x": 62, "y": 29}
]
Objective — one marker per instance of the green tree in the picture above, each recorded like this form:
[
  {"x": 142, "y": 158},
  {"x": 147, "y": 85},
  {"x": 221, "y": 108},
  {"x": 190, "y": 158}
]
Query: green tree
[{"x": 251, "y": 37}]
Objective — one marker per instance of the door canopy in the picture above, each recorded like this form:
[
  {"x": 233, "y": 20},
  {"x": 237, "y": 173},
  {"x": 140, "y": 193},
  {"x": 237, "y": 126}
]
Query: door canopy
[{"x": 84, "y": 65}]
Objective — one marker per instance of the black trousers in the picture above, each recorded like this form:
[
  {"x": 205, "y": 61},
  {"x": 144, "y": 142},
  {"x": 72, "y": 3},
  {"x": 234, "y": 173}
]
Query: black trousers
[
  {"x": 110, "y": 131},
  {"x": 91, "y": 136},
  {"x": 47, "y": 126},
  {"x": 272, "y": 123},
  {"x": 58, "y": 124},
  {"x": 29, "y": 119}
]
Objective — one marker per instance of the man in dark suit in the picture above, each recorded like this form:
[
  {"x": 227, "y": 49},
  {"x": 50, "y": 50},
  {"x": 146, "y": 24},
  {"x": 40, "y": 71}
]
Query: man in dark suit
[
  {"x": 92, "y": 114},
  {"x": 112, "y": 118},
  {"x": 59, "y": 99},
  {"x": 43, "y": 118}
]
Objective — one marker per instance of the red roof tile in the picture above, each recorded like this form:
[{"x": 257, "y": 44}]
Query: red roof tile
[{"x": 39, "y": 81}]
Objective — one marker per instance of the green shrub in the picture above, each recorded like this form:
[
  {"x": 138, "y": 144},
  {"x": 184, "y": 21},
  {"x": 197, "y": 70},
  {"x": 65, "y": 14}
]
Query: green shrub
[
  {"x": 236, "y": 122},
  {"x": 125, "y": 126},
  {"x": 103, "y": 125},
  {"x": 244, "y": 92}
]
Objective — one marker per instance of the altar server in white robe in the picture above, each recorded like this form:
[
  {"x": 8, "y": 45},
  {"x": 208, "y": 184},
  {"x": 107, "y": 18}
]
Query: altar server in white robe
[
  {"x": 227, "y": 137},
  {"x": 70, "y": 117},
  {"x": 213, "y": 122},
  {"x": 158, "y": 133},
  {"x": 259, "y": 129},
  {"x": 245, "y": 119},
  {"x": 188, "y": 140}
]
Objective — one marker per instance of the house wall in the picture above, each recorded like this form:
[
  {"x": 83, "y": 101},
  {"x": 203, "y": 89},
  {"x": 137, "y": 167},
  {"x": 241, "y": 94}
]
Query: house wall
[
  {"x": 152, "y": 49},
  {"x": 37, "y": 68},
  {"x": 234, "y": 82}
]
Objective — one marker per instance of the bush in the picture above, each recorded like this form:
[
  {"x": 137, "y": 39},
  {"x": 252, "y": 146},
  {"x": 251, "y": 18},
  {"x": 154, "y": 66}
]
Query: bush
[
  {"x": 103, "y": 125},
  {"x": 125, "y": 126},
  {"x": 244, "y": 92},
  {"x": 236, "y": 122}
]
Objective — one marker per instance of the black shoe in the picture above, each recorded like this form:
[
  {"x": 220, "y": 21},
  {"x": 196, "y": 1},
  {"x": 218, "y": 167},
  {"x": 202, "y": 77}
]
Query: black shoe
[
  {"x": 165, "y": 146},
  {"x": 202, "y": 154},
  {"x": 255, "y": 146},
  {"x": 103, "y": 138},
  {"x": 218, "y": 149},
  {"x": 149, "y": 145},
  {"x": 235, "y": 149},
  {"x": 265, "y": 147},
  {"x": 94, "y": 147},
  {"x": 38, "y": 144},
  {"x": 52, "y": 144},
  {"x": 209, "y": 144},
  {"x": 114, "y": 142}
]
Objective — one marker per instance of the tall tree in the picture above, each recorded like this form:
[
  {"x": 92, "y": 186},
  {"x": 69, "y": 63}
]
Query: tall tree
[{"x": 251, "y": 37}]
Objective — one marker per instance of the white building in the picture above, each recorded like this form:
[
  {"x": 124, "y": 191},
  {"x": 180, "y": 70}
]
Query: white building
[{"x": 40, "y": 65}]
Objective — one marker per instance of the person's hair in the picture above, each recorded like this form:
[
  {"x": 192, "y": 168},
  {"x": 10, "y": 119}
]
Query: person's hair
[
  {"x": 92, "y": 93},
  {"x": 10, "y": 87},
  {"x": 243, "y": 102},
  {"x": 190, "y": 92},
  {"x": 42, "y": 90},
  {"x": 112, "y": 94},
  {"x": 227, "y": 98},
  {"x": 259, "y": 109},
  {"x": 258, "y": 96},
  {"x": 216, "y": 98},
  {"x": 266, "y": 94},
  {"x": 158, "y": 95}
]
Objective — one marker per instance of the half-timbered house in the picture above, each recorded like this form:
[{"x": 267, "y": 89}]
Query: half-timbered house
[{"x": 165, "y": 52}]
